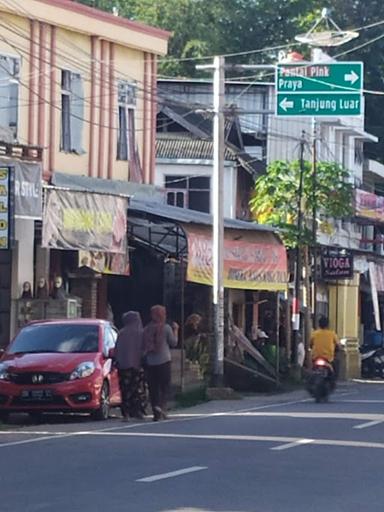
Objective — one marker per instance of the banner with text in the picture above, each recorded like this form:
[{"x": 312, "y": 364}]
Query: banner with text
[
  {"x": 85, "y": 221},
  {"x": 369, "y": 205},
  {"x": 28, "y": 190},
  {"x": 105, "y": 262},
  {"x": 256, "y": 262},
  {"x": 4, "y": 207}
]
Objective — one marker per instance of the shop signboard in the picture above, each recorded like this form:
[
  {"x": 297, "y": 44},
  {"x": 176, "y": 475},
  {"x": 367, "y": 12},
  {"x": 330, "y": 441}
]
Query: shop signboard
[
  {"x": 85, "y": 221},
  {"x": 257, "y": 264},
  {"x": 369, "y": 206},
  {"x": 4, "y": 208},
  {"x": 336, "y": 263},
  {"x": 28, "y": 190}
]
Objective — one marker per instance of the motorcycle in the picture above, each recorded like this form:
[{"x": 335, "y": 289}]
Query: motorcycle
[
  {"x": 372, "y": 362},
  {"x": 322, "y": 380}
]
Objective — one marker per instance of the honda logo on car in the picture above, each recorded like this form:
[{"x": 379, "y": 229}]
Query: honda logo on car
[{"x": 37, "y": 378}]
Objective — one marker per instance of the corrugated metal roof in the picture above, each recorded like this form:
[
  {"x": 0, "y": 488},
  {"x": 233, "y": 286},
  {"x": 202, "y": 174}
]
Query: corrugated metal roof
[
  {"x": 114, "y": 187},
  {"x": 186, "y": 216},
  {"x": 187, "y": 148}
]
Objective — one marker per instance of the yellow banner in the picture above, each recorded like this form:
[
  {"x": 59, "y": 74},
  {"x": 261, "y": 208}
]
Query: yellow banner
[{"x": 260, "y": 264}]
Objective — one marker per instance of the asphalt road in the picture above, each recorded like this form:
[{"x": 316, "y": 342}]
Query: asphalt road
[{"x": 280, "y": 454}]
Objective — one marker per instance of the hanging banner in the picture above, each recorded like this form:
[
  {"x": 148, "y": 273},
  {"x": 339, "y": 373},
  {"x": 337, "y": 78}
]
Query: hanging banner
[
  {"x": 85, "y": 221},
  {"x": 375, "y": 295},
  {"x": 369, "y": 205},
  {"x": 256, "y": 262},
  {"x": 4, "y": 207},
  {"x": 28, "y": 190},
  {"x": 105, "y": 262},
  {"x": 336, "y": 263}
]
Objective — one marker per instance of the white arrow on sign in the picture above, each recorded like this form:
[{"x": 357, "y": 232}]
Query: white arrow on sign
[
  {"x": 285, "y": 104},
  {"x": 351, "y": 77}
]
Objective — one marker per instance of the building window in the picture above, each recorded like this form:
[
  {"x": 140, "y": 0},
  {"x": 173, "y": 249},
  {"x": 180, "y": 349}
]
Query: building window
[
  {"x": 126, "y": 143},
  {"x": 72, "y": 112},
  {"x": 189, "y": 192},
  {"x": 359, "y": 152},
  {"x": 9, "y": 96}
]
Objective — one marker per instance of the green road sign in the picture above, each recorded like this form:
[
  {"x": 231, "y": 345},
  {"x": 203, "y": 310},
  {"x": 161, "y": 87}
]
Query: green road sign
[
  {"x": 314, "y": 89},
  {"x": 322, "y": 104},
  {"x": 337, "y": 77}
]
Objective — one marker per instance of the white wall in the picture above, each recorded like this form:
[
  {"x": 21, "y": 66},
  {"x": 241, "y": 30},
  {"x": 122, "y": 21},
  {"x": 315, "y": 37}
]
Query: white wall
[
  {"x": 22, "y": 264},
  {"x": 170, "y": 167}
]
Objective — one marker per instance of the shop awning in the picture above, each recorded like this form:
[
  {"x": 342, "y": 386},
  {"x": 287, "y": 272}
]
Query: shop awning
[{"x": 254, "y": 256}]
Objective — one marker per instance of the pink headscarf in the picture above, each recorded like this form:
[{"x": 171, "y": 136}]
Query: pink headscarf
[{"x": 154, "y": 335}]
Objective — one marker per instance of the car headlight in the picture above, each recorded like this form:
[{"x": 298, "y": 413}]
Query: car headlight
[
  {"x": 82, "y": 371},
  {"x": 4, "y": 375}
]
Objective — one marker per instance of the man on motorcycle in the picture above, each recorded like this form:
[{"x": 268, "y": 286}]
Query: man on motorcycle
[{"x": 324, "y": 342}]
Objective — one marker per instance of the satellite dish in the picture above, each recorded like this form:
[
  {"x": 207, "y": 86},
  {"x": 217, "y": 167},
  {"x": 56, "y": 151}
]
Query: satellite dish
[{"x": 331, "y": 36}]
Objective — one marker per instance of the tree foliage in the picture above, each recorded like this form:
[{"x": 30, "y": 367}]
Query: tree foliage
[
  {"x": 209, "y": 27},
  {"x": 275, "y": 199}
]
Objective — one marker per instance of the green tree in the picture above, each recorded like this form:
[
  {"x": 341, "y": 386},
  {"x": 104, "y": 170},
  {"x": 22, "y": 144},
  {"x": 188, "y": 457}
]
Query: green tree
[
  {"x": 275, "y": 199},
  {"x": 202, "y": 28}
]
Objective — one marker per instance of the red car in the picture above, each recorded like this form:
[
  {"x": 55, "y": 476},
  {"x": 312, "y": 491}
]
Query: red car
[{"x": 61, "y": 366}]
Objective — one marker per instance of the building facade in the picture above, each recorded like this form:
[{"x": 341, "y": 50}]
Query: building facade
[{"x": 80, "y": 84}]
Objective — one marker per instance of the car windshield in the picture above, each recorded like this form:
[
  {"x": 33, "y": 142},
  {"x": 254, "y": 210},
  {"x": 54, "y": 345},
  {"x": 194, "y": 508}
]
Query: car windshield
[{"x": 61, "y": 338}]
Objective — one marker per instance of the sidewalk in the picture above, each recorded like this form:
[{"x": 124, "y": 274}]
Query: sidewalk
[{"x": 249, "y": 402}]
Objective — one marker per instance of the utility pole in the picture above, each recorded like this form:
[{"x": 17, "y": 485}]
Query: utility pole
[
  {"x": 298, "y": 266},
  {"x": 218, "y": 217},
  {"x": 314, "y": 222}
]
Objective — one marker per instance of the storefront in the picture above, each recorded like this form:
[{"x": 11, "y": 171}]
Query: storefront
[
  {"x": 255, "y": 268},
  {"x": 85, "y": 234},
  {"x": 20, "y": 207}
]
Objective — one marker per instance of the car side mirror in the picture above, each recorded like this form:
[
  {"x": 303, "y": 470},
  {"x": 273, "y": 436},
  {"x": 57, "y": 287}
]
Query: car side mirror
[
  {"x": 2, "y": 352},
  {"x": 111, "y": 353}
]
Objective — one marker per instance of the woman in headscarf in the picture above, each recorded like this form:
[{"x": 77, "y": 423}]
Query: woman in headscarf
[
  {"x": 158, "y": 338},
  {"x": 128, "y": 355}
]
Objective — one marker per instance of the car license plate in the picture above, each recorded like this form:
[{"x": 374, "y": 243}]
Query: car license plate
[{"x": 37, "y": 394}]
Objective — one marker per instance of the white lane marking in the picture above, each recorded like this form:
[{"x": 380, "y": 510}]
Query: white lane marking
[
  {"x": 172, "y": 474},
  {"x": 368, "y": 381},
  {"x": 35, "y": 440},
  {"x": 316, "y": 415},
  {"x": 32, "y": 433},
  {"x": 360, "y": 401},
  {"x": 220, "y": 437},
  {"x": 106, "y": 430},
  {"x": 292, "y": 445},
  {"x": 174, "y": 418},
  {"x": 368, "y": 424}
]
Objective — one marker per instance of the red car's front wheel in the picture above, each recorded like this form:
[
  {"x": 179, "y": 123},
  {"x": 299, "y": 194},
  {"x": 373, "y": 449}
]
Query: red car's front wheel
[{"x": 102, "y": 413}]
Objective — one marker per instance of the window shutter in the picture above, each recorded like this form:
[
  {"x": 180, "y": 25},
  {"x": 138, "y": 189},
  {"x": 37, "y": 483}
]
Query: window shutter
[
  {"x": 5, "y": 75},
  {"x": 77, "y": 113},
  {"x": 122, "y": 143}
]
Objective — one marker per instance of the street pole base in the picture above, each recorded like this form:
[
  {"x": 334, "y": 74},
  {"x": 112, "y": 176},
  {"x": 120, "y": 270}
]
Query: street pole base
[
  {"x": 222, "y": 393},
  {"x": 296, "y": 373}
]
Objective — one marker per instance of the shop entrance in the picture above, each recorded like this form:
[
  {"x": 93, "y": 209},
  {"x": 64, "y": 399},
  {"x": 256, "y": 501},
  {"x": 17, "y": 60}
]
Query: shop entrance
[
  {"x": 5, "y": 296},
  {"x": 141, "y": 290}
]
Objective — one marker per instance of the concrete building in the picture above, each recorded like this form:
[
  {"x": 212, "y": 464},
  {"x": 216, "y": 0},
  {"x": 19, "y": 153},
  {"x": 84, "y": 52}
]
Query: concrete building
[{"x": 81, "y": 84}]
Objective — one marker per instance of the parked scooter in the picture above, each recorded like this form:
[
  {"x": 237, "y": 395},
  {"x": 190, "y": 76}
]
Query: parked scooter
[
  {"x": 372, "y": 362},
  {"x": 322, "y": 380}
]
